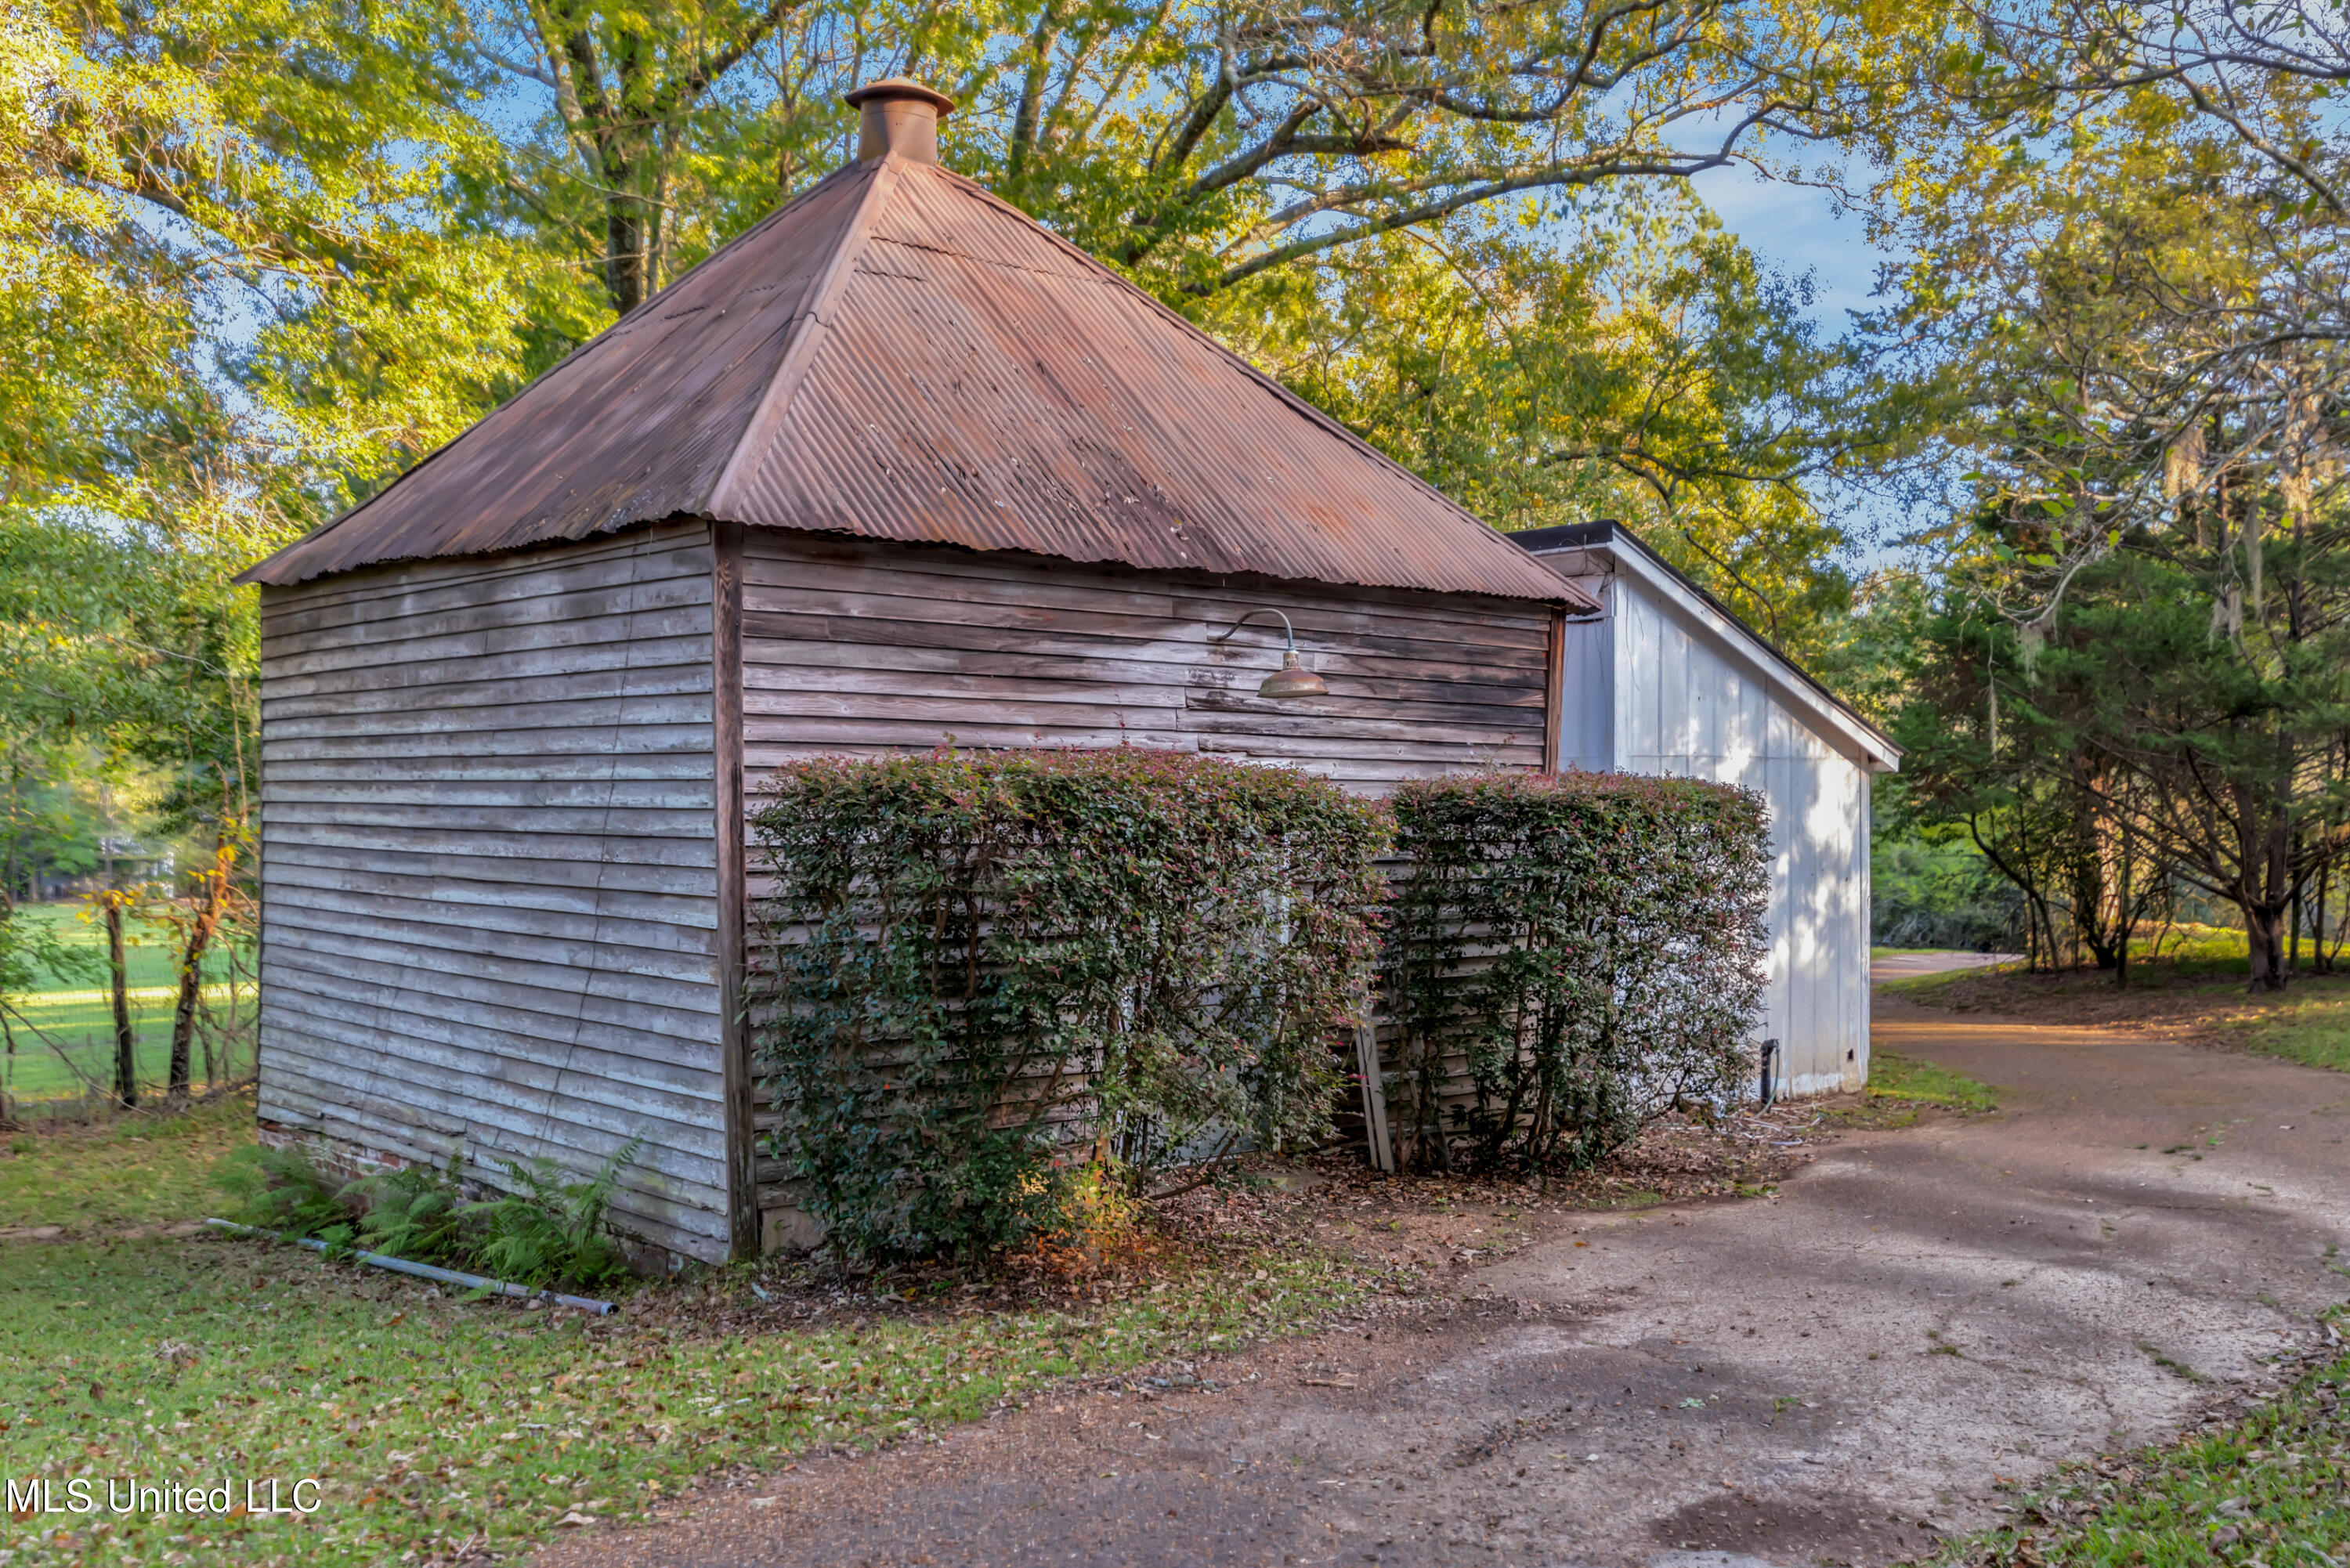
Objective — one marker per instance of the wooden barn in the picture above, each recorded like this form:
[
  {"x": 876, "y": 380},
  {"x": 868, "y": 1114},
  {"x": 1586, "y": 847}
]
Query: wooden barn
[
  {"x": 1667, "y": 680},
  {"x": 896, "y": 468}
]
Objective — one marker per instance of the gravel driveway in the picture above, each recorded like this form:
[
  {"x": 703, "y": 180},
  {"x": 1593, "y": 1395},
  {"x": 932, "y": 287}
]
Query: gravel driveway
[{"x": 1837, "y": 1373}]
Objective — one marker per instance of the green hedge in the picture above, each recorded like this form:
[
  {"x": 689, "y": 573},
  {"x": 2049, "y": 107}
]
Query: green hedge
[
  {"x": 1585, "y": 947},
  {"x": 981, "y": 971},
  {"x": 985, "y": 976}
]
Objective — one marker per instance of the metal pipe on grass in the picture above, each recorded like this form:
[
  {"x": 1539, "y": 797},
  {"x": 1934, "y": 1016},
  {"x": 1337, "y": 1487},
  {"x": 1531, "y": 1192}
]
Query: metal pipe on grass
[{"x": 429, "y": 1271}]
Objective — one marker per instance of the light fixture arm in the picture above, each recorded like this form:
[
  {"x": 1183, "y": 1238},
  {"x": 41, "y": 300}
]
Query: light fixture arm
[
  {"x": 1287, "y": 630},
  {"x": 1292, "y": 679}
]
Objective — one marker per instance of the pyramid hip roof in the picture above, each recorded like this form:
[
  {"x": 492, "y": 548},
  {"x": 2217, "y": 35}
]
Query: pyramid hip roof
[{"x": 898, "y": 355}]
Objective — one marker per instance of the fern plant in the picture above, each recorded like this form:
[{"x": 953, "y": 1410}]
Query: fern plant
[
  {"x": 283, "y": 1190},
  {"x": 418, "y": 1213},
  {"x": 548, "y": 1230}
]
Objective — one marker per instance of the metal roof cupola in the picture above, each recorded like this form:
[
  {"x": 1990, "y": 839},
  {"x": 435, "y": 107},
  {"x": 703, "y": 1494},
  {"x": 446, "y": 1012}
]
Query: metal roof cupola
[{"x": 899, "y": 117}]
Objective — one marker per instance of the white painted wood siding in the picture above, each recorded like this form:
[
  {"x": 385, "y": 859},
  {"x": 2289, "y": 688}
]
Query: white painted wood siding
[
  {"x": 1682, "y": 706},
  {"x": 488, "y": 896}
]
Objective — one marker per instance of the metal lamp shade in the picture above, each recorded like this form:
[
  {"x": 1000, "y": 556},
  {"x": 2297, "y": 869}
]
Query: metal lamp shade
[{"x": 1293, "y": 680}]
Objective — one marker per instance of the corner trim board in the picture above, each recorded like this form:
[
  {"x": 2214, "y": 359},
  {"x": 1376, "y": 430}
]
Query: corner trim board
[
  {"x": 1555, "y": 693},
  {"x": 726, "y": 768}
]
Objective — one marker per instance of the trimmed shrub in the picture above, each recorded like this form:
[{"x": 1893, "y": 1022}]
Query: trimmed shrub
[
  {"x": 1569, "y": 956},
  {"x": 981, "y": 970}
]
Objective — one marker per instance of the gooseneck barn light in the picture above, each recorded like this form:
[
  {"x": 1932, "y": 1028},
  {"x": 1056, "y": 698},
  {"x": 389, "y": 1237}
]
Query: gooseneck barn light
[{"x": 1292, "y": 679}]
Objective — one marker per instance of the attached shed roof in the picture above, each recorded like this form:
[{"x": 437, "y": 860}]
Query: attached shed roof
[
  {"x": 1828, "y": 712},
  {"x": 898, "y": 355}
]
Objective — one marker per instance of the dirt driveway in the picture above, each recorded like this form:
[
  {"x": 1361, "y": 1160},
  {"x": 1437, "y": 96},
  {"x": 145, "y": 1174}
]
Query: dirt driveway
[{"x": 1837, "y": 1373}]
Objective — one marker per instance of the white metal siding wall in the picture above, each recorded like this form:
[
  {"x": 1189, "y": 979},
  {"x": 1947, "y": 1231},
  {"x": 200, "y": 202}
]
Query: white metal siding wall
[
  {"x": 1683, "y": 708},
  {"x": 1588, "y": 700},
  {"x": 488, "y": 894}
]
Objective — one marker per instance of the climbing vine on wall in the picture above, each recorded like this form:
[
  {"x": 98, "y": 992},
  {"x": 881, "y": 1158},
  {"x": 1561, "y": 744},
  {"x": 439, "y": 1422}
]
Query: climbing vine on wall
[
  {"x": 1569, "y": 956},
  {"x": 983, "y": 974}
]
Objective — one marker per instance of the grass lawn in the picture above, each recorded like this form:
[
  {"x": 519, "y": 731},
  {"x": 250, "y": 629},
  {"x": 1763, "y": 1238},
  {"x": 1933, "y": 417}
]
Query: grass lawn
[
  {"x": 428, "y": 1421},
  {"x": 2311, "y": 1028},
  {"x": 2271, "y": 1489},
  {"x": 63, "y": 1032},
  {"x": 147, "y": 950},
  {"x": 69, "y": 1045},
  {"x": 1903, "y": 1088},
  {"x": 1896, "y": 1077},
  {"x": 126, "y": 1172},
  {"x": 2194, "y": 989}
]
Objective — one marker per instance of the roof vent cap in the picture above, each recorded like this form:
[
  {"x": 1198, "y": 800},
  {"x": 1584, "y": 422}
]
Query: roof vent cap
[{"x": 900, "y": 116}]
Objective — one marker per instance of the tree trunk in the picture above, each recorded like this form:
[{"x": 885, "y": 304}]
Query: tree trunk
[
  {"x": 2264, "y": 944},
  {"x": 184, "y": 1011},
  {"x": 10, "y": 881},
  {"x": 125, "y": 1043},
  {"x": 2126, "y": 912},
  {"x": 2043, "y": 956},
  {"x": 2320, "y": 960},
  {"x": 192, "y": 969},
  {"x": 629, "y": 226},
  {"x": 8, "y": 1036},
  {"x": 624, "y": 239}
]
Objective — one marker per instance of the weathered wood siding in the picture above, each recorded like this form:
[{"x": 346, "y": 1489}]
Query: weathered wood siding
[
  {"x": 489, "y": 906},
  {"x": 867, "y": 649},
  {"x": 1680, "y": 704}
]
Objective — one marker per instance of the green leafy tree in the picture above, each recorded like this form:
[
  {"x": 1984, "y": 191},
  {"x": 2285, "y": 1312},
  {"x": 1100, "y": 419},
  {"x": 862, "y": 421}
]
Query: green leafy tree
[
  {"x": 1648, "y": 370},
  {"x": 264, "y": 257},
  {"x": 2254, "y": 70},
  {"x": 1200, "y": 147},
  {"x": 2152, "y": 582}
]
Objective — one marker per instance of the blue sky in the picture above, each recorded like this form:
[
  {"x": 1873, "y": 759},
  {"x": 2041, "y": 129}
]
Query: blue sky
[{"x": 1798, "y": 229}]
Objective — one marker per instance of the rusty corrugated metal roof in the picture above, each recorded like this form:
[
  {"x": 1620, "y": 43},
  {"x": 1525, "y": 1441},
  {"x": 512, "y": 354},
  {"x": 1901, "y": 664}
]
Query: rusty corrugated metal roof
[{"x": 898, "y": 355}]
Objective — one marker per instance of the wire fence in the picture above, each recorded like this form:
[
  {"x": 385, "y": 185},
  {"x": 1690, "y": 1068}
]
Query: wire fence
[{"x": 58, "y": 1049}]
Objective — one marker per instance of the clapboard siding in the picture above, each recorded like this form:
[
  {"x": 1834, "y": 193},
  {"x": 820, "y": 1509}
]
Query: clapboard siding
[
  {"x": 547, "y": 880},
  {"x": 489, "y": 901},
  {"x": 490, "y": 876},
  {"x": 868, "y": 649}
]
